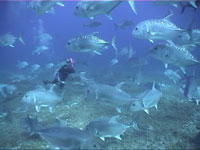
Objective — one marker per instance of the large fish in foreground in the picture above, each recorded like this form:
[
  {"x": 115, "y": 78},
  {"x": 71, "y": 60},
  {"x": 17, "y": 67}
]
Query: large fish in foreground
[
  {"x": 108, "y": 127},
  {"x": 42, "y": 98},
  {"x": 147, "y": 100},
  {"x": 157, "y": 29},
  {"x": 170, "y": 53},
  {"x": 9, "y": 40},
  {"x": 89, "y": 43},
  {"x": 62, "y": 137},
  {"x": 91, "y": 9}
]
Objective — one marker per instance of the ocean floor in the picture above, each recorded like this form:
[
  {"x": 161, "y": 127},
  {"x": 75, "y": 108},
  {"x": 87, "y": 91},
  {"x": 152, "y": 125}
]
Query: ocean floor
[{"x": 173, "y": 126}]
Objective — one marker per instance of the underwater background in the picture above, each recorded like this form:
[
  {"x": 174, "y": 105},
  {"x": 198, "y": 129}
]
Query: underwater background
[{"x": 174, "y": 125}]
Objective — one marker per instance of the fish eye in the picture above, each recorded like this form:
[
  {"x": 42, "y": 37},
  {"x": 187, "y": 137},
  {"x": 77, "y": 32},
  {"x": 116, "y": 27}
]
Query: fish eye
[
  {"x": 155, "y": 48},
  {"x": 136, "y": 28},
  {"x": 94, "y": 145},
  {"x": 88, "y": 91},
  {"x": 68, "y": 43},
  {"x": 77, "y": 7},
  {"x": 133, "y": 104}
]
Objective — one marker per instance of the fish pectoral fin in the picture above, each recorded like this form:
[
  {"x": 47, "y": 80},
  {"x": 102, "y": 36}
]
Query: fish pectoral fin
[
  {"x": 109, "y": 16},
  {"x": 37, "y": 108},
  {"x": 11, "y": 45},
  {"x": 50, "y": 109},
  {"x": 118, "y": 110},
  {"x": 98, "y": 53},
  {"x": 118, "y": 137},
  {"x": 166, "y": 66},
  {"x": 156, "y": 106},
  {"x": 197, "y": 101},
  {"x": 146, "y": 111},
  {"x": 151, "y": 41},
  {"x": 102, "y": 138}
]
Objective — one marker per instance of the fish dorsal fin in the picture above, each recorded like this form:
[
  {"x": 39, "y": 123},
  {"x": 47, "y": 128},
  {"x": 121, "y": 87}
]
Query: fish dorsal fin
[
  {"x": 153, "y": 86},
  {"x": 94, "y": 33},
  {"x": 60, "y": 4},
  {"x": 114, "y": 119},
  {"x": 168, "y": 16},
  {"x": 119, "y": 85}
]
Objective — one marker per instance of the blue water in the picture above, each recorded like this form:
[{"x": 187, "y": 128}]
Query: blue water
[{"x": 17, "y": 19}]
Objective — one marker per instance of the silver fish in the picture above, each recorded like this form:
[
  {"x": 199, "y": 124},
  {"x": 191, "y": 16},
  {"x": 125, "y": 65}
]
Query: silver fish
[
  {"x": 170, "y": 53},
  {"x": 9, "y": 40},
  {"x": 91, "y": 9},
  {"x": 157, "y": 29},
  {"x": 123, "y": 25},
  {"x": 62, "y": 137},
  {"x": 89, "y": 43},
  {"x": 92, "y": 24},
  {"x": 147, "y": 100},
  {"x": 41, "y": 7},
  {"x": 40, "y": 50},
  {"x": 42, "y": 98},
  {"x": 22, "y": 64},
  {"x": 110, "y": 95},
  {"x": 172, "y": 75},
  {"x": 108, "y": 127}
]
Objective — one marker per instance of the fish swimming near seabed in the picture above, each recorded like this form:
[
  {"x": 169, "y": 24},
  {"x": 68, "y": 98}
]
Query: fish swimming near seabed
[{"x": 61, "y": 137}]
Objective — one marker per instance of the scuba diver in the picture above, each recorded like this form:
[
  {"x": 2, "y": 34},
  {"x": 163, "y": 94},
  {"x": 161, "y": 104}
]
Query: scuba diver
[{"x": 62, "y": 73}]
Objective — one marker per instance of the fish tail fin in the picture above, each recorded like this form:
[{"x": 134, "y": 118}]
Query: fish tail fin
[{"x": 21, "y": 39}]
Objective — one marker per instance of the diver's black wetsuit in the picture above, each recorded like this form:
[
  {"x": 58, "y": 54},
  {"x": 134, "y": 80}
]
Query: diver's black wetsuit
[{"x": 61, "y": 75}]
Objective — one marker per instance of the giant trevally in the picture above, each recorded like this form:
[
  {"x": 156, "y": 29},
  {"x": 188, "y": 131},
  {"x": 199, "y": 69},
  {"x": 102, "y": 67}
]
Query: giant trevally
[
  {"x": 9, "y": 40},
  {"x": 62, "y": 137},
  {"x": 190, "y": 38},
  {"x": 42, "y": 98},
  {"x": 170, "y": 53},
  {"x": 157, "y": 29},
  {"x": 110, "y": 95},
  {"x": 147, "y": 100},
  {"x": 123, "y": 25},
  {"x": 91, "y": 9},
  {"x": 172, "y": 75},
  {"x": 7, "y": 89},
  {"x": 108, "y": 127},
  {"x": 40, "y": 49},
  {"x": 89, "y": 43},
  {"x": 92, "y": 24},
  {"x": 41, "y": 7}
]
